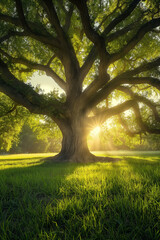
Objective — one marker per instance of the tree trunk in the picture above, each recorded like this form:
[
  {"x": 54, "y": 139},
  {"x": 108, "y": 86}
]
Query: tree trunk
[{"x": 74, "y": 143}]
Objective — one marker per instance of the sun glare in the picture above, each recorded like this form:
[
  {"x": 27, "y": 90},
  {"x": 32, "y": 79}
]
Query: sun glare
[{"x": 95, "y": 132}]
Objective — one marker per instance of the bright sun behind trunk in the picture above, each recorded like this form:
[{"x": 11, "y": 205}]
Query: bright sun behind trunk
[{"x": 95, "y": 132}]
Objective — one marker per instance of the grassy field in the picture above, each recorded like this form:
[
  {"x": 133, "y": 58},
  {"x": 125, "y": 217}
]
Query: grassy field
[{"x": 100, "y": 201}]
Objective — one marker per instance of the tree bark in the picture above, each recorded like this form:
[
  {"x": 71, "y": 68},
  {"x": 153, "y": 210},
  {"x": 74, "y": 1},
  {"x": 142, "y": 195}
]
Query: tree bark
[{"x": 74, "y": 143}]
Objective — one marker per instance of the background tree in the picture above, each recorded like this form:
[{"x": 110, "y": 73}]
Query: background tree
[
  {"x": 37, "y": 137},
  {"x": 22, "y": 132},
  {"x": 12, "y": 119},
  {"x": 94, "y": 51}
]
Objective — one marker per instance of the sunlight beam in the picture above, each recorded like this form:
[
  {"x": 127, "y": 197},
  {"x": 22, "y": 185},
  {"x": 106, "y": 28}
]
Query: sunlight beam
[{"x": 95, "y": 132}]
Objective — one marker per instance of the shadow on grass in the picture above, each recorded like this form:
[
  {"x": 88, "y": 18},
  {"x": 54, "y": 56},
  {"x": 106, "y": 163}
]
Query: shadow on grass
[
  {"x": 16, "y": 160},
  {"x": 105, "y": 201},
  {"x": 114, "y": 201},
  {"x": 147, "y": 167},
  {"x": 24, "y": 194}
]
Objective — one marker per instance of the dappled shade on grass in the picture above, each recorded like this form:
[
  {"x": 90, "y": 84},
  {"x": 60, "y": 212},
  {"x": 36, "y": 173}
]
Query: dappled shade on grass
[{"x": 81, "y": 201}]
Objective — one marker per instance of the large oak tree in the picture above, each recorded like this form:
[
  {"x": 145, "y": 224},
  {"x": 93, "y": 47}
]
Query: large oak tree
[{"x": 92, "y": 50}]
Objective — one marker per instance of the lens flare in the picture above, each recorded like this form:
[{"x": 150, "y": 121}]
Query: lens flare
[{"x": 95, "y": 132}]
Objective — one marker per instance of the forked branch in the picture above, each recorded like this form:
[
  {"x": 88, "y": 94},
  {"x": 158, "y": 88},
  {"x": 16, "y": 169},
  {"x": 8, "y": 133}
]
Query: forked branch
[
  {"x": 136, "y": 39},
  {"x": 37, "y": 66},
  {"x": 38, "y": 32},
  {"x": 102, "y": 115},
  {"x": 24, "y": 94},
  {"x": 124, "y": 78}
]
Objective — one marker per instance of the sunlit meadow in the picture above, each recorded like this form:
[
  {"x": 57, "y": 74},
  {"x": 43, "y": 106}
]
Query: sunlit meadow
[{"x": 99, "y": 201}]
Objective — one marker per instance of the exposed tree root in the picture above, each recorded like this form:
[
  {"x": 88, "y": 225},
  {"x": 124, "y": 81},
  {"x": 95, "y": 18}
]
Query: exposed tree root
[{"x": 81, "y": 158}]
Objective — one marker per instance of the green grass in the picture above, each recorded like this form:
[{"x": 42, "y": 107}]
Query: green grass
[{"x": 101, "y": 201}]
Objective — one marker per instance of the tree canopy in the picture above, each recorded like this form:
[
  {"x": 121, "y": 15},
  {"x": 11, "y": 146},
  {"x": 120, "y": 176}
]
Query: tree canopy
[{"x": 104, "y": 55}]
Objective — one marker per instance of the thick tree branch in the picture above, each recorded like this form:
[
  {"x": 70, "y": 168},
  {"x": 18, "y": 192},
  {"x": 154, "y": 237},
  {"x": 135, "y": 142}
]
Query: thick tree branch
[
  {"x": 12, "y": 34},
  {"x": 11, "y": 20},
  {"x": 104, "y": 92},
  {"x": 61, "y": 5},
  {"x": 142, "y": 68},
  {"x": 107, "y": 16},
  {"x": 21, "y": 15},
  {"x": 93, "y": 53},
  {"x": 142, "y": 99},
  {"x": 89, "y": 31},
  {"x": 119, "y": 33},
  {"x": 125, "y": 126},
  {"x": 51, "y": 59},
  {"x": 142, "y": 125},
  {"x": 136, "y": 39},
  {"x": 24, "y": 95},
  {"x": 93, "y": 35},
  {"x": 152, "y": 130},
  {"x": 68, "y": 18},
  {"x": 104, "y": 114},
  {"x": 38, "y": 32},
  {"x": 88, "y": 63},
  {"x": 64, "y": 50},
  {"x": 52, "y": 15},
  {"x": 121, "y": 17},
  {"x": 124, "y": 78},
  {"x": 68, "y": 56},
  {"x": 33, "y": 65}
]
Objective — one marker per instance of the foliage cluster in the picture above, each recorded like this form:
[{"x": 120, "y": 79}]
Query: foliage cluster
[{"x": 22, "y": 132}]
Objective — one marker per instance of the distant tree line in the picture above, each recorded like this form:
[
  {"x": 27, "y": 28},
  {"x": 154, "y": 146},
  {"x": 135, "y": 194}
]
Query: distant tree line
[
  {"x": 22, "y": 132},
  {"x": 32, "y": 142}
]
